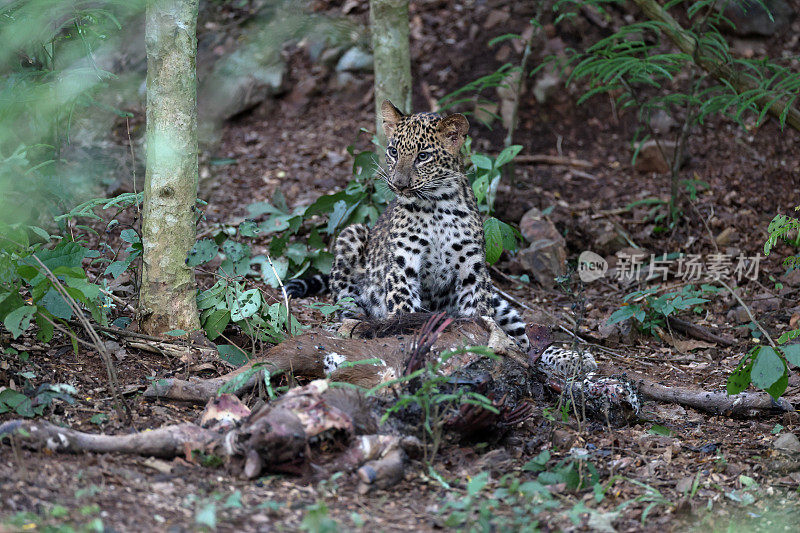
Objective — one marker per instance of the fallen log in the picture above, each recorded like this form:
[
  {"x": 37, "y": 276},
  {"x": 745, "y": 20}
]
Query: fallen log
[{"x": 318, "y": 354}]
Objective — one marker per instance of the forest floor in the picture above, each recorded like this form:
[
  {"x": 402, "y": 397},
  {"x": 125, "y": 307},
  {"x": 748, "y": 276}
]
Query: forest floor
[{"x": 677, "y": 469}]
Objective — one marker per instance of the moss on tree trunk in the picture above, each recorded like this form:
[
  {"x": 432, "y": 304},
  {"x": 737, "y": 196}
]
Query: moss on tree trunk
[
  {"x": 167, "y": 298},
  {"x": 389, "y": 25}
]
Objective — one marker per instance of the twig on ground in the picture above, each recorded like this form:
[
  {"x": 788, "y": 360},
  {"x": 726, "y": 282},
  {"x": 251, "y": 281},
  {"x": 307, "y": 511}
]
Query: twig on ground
[
  {"x": 699, "y": 332},
  {"x": 547, "y": 159},
  {"x": 113, "y": 382}
]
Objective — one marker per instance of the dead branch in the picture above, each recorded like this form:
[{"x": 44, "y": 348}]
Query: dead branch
[
  {"x": 318, "y": 353},
  {"x": 745, "y": 404},
  {"x": 168, "y": 441},
  {"x": 699, "y": 332},
  {"x": 706, "y": 59},
  {"x": 547, "y": 159}
]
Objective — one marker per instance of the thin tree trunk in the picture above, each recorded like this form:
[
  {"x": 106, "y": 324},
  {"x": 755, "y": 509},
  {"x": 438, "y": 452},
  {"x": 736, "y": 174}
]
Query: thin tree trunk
[
  {"x": 167, "y": 297},
  {"x": 707, "y": 60},
  {"x": 389, "y": 25}
]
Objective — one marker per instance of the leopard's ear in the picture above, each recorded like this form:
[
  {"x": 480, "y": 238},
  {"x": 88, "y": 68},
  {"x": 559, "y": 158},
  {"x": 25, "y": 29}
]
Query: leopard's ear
[
  {"x": 453, "y": 132},
  {"x": 391, "y": 116}
]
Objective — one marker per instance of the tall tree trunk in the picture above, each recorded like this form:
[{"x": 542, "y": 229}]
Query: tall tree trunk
[
  {"x": 389, "y": 25},
  {"x": 167, "y": 298}
]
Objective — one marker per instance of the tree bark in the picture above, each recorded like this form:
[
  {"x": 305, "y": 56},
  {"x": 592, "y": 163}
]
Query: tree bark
[
  {"x": 167, "y": 298},
  {"x": 389, "y": 26},
  {"x": 706, "y": 60}
]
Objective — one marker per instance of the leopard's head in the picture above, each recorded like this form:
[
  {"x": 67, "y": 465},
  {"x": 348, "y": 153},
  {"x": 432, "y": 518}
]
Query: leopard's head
[{"x": 422, "y": 150}]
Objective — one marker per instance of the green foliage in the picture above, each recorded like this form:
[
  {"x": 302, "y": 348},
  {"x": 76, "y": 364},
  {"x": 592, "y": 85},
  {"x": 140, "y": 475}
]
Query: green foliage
[
  {"x": 650, "y": 311},
  {"x": 34, "y": 401},
  {"x": 516, "y": 498},
  {"x": 435, "y": 396},
  {"x": 42, "y": 285},
  {"x": 361, "y": 201},
  {"x": 766, "y": 367},
  {"x": 51, "y": 85},
  {"x": 636, "y": 65},
  {"x": 316, "y": 520}
]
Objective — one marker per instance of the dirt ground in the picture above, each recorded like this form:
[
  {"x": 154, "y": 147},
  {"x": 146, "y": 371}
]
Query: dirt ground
[{"x": 703, "y": 472}]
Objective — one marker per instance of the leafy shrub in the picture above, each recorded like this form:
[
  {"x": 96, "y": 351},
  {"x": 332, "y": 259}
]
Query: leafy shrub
[{"x": 651, "y": 311}]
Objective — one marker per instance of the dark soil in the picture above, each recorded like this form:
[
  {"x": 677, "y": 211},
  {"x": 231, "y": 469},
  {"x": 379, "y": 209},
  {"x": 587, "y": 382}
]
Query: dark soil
[{"x": 298, "y": 145}]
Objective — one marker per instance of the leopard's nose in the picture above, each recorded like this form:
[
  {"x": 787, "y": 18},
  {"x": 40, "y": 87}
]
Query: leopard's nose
[{"x": 402, "y": 180}]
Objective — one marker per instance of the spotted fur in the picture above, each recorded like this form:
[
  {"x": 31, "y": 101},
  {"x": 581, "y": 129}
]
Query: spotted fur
[{"x": 426, "y": 251}]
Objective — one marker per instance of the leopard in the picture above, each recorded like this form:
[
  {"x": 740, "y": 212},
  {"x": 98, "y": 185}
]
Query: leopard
[{"x": 425, "y": 252}]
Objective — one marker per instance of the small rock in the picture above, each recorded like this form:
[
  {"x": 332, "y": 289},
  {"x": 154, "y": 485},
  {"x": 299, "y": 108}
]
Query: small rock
[
  {"x": 684, "y": 484},
  {"x": 661, "y": 121},
  {"x": 765, "y": 302},
  {"x": 563, "y": 439},
  {"x": 738, "y": 315},
  {"x": 546, "y": 257},
  {"x": 650, "y": 158},
  {"x": 792, "y": 278},
  {"x": 355, "y": 59},
  {"x": 787, "y": 442},
  {"x": 546, "y": 87},
  {"x": 750, "y": 18},
  {"x": 727, "y": 236}
]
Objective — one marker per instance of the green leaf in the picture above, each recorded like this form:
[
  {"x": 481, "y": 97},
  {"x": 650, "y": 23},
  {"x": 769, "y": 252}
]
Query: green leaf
[
  {"x": 767, "y": 368},
  {"x": 324, "y": 204},
  {"x": 477, "y": 483},
  {"x": 323, "y": 262},
  {"x": 216, "y": 323},
  {"x": 211, "y": 297},
  {"x": 176, "y": 333},
  {"x": 118, "y": 267},
  {"x": 246, "y": 305},
  {"x": 203, "y": 251},
  {"x": 792, "y": 353},
  {"x": 18, "y": 320},
  {"x": 275, "y": 224},
  {"x": 8, "y": 302},
  {"x": 45, "y": 329},
  {"x": 660, "y": 430},
  {"x": 130, "y": 235},
  {"x": 507, "y": 155},
  {"x": 341, "y": 212},
  {"x": 259, "y": 208},
  {"x": 56, "y": 305},
  {"x": 494, "y": 240},
  {"x": 207, "y": 516},
  {"x": 249, "y": 228},
  {"x": 482, "y": 161},
  {"x": 66, "y": 253},
  {"x": 623, "y": 313},
  {"x": 739, "y": 379},
  {"x": 232, "y": 354}
]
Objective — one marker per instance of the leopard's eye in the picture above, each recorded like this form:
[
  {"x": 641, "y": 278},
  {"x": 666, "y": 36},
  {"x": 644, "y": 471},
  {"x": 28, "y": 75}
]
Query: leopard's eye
[
  {"x": 423, "y": 156},
  {"x": 392, "y": 151}
]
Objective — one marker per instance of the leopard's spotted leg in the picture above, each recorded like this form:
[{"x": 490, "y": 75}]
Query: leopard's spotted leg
[
  {"x": 403, "y": 281},
  {"x": 509, "y": 320},
  {"x": 473, "y": 288},
  {"x": 348, "y": 270}
]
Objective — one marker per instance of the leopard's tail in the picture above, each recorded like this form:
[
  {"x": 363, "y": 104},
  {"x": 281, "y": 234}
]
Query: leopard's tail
[{"x": 302, "y": 287}]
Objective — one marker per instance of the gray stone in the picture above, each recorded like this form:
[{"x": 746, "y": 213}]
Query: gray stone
[
  {"x": 787, "y": 442},
  {"x": 546, "y": 257},
  {"x": 651, "y": 159},
  {"x": 355, "y": 59},
  {"x": 750, "y": 18},
  {"x": 546, "y": 87}
]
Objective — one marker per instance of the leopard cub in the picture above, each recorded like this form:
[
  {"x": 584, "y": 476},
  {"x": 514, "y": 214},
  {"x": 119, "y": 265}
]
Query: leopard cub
[{"x": 426, "y": 251}]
